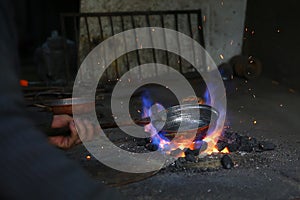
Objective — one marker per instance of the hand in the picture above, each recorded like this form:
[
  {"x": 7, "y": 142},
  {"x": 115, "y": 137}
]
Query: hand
[{"x": 65, "y": 142}]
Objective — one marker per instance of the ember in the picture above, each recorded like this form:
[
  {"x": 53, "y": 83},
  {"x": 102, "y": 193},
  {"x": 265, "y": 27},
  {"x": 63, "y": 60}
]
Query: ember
[{"x": 88, "y": 157}]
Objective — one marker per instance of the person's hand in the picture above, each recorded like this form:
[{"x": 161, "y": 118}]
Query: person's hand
[{"x": 65, "y": 142}]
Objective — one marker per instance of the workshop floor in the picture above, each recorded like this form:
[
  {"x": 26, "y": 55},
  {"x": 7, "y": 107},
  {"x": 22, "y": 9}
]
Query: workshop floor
[{"x": 273, "y": 175}]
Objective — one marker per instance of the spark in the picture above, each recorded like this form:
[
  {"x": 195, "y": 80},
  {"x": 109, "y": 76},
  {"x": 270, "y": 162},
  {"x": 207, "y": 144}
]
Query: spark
[
  {"x": 275, "y": 82},
  {"x": 291, "y": 90},
  {"x": 252, "y": 32},
  {"x": 254, "y": 122},
  {"x": 221, "y": 56},
  {"x": 88, "y": 157}
]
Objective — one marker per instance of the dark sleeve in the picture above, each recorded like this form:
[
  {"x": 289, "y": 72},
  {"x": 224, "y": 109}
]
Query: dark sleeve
[
  {"x": 29, "y": 167},
  {"x": 41, "y": 119}
]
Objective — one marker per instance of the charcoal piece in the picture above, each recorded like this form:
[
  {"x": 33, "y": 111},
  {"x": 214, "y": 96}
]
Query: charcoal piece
[
  {"x": 231, "y": 136},
  {"x": 147, "y": 140},
  {"x": 227, "y": 134},
  {"x": 181, "y": 159},
  {"x": 226, "y": 162},
  {"x": 243, "y": 140},
  {"x": 178, "y": 164},
  {"x": 266, "y": 146},
  {"x": 233, "y": 147},
  {"x": 176, "y": 152},
  {"x": 190, "y": 157},
  {"x": 221, "y": 145},
  {"x": 141, "y": 141},
  {"x": 248, "y": 141},
  {"x": 194, "y": 152},
  {"x": 152, "y": 147},
  {"x": 257, "y": 149},
  {"x": 253, "y": 142},
  {"x": 246, "y": 148}
]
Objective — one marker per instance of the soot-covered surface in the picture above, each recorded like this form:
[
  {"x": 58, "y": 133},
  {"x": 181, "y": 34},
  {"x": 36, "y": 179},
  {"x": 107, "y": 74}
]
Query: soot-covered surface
[{"x": 262, "y": 109}]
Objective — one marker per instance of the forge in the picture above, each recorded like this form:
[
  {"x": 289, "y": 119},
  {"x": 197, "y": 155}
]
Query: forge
[
  {"x": 256, "y": 159},
  {"x": 178, "y": 99}
]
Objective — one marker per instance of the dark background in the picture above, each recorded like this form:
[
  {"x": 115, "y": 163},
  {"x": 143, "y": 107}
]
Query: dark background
[
  {"x": 35, "y": 20},
  {"x": 278, "y": 51}
]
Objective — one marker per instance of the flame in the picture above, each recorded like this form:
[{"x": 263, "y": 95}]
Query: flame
[
  {"x": 225, "y": 150},
  {"x": 165, "y": 145}
]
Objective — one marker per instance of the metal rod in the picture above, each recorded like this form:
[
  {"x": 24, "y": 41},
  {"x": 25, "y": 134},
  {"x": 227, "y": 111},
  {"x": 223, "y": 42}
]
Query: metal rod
[
  {"x": 88, "y": 32},
  {"x": 68, "y": 76},
  {"x": 126, "y": 55},
  {"x": 201, "y": 37},
  {"x": 137, "y": 51},
  {"x": 200, "y": 29},
  {"x": 167, "y": 12},
  {"x": 192, "y": 36},
  {"x": 165, "y": 40},
  {"x": 113, "y": 33},
  {"x": 178, "y": 42},
  {"x": 76, "y": 40},
  {"x": 102, "y": 38},
  {"x": 151, "y": 40}
]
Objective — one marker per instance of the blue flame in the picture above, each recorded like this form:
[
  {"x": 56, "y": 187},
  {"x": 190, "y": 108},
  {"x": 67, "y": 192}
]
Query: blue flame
[
  {"x": 206, "y": 97},
  {"x": 147, "y": 103},
  {"x": 162, "y": 136},
  {"x": 155, "y": 140}
]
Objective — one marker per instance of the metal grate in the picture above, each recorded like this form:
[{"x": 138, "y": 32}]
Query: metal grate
[{"x": 89, "y": 29}]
